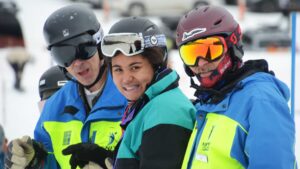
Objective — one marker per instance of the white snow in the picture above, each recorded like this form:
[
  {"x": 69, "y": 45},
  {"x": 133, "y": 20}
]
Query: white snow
[{"x": 19, "y": 112}]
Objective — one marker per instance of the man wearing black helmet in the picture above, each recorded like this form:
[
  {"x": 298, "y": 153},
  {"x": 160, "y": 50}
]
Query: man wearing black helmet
[
  {"x": 50, "y": 81},
  {"x": 88, "y": 109},
  {"x": 243, "y": 119}
]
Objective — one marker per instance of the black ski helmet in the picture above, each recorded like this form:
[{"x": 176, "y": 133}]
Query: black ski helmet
[
  {"x": 209, "y": 21},
  {"x": 140, "y": 25},
  {"x": 74, "y": 22},
  {"x": 50, "y": 81},
  {"x": 68, "y": 22}
]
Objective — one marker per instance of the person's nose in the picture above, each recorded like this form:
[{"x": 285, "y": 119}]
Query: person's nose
[
  {"x": 127, "y": 77},
  {"x": 201, "y": 63},
  {"x": 77, "y": 62},
  {"x": 199, "y": 66}
]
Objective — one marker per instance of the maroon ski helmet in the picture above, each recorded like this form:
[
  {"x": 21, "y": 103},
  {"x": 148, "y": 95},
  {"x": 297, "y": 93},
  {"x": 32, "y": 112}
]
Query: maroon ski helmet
[{"x": 209, "y": 21}]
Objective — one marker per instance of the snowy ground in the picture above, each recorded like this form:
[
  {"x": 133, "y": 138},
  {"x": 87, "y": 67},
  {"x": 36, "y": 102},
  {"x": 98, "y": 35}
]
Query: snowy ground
[{"x": 18, "y": 111}]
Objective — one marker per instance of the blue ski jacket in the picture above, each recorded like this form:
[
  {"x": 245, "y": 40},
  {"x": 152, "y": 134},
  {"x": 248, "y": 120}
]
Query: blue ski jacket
[
  {"x": 64, "y": 121},
  {"x": 251, "y": 128}
]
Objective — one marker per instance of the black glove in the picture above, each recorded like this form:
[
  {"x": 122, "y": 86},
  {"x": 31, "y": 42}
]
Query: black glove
[
  {"x": 82, "y": 153},
  {"x": 40, "y": 155}
]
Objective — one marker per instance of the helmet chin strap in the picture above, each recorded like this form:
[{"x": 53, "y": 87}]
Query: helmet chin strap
[{"x": 101, "y": 72}]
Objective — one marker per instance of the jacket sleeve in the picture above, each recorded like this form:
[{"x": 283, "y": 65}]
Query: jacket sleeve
[
  {"x": 163, "y": 147},
  {"x": 40, "y": 135},
  {"x": 271, "y": 137}
]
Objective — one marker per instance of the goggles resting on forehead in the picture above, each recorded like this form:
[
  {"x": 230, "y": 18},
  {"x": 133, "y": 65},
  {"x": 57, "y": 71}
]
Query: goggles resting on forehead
[
  {"x": 211, "y": 49},
  {"x": 80, "y": 47},
  {"x": 130, "y": 43}
]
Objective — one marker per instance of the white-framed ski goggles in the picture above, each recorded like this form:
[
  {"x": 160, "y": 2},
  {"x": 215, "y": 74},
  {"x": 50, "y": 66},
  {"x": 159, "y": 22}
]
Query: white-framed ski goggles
[{"x": 130, "y": 43}]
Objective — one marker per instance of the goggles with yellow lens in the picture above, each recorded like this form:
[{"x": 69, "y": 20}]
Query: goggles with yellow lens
[
  {"x": 211, "y": 49},
  {"x": 130, "y": 43}
]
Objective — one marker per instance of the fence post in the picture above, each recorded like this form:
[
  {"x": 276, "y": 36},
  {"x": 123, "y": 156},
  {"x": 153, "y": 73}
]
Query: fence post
[
  {"x": 3, "y": 101},
  {"x": 293, "y": 62}
]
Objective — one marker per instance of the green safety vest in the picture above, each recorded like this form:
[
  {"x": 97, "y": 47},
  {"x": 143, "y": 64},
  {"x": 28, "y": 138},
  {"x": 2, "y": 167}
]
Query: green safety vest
[
  {"x": 214, "y": 147},
  {"x": 105, "y": 133}
]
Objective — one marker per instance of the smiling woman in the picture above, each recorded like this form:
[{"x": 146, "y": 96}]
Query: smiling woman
[
  {"x": 129, "y": 75},
  {"x": 159, "y": 117}
]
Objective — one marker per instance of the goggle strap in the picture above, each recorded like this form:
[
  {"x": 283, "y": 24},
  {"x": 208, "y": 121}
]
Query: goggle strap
[
  {"x": 155, "y": 41},
  {"x": 98, "y": 36}
]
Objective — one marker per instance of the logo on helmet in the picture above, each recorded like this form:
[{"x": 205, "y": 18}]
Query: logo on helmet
[
  {"x": 66, "y": 32},
  {"x": 61, "y": 82},
  {"x": 42, "y": 82},
  {"x": 153, "y": 40},
  {"x": 187, "y": 35}
]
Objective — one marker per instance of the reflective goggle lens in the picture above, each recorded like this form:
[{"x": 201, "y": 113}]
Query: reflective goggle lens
[
  {"x": 80, "y": 47},
  {"x": 64, "y": 55},
  {"x": 210, "y": 49},
  {"x": 129, "y": 44}
]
